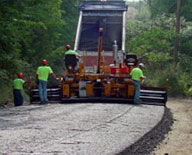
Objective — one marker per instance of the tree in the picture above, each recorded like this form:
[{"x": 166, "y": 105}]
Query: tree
[
  {"x": 30, "y": 31},
  {"x": 159, "y": 7},
  {"x": 153, "y": 40}
]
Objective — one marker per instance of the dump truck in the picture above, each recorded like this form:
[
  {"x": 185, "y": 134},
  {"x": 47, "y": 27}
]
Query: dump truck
[
  {"x": 111, "y": 17},
  {"x": 103, "y": 71}
]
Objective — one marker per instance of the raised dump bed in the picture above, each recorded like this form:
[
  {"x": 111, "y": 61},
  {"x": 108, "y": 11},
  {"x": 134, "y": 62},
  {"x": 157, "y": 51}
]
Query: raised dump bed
[{"x": 109, "y": 15}]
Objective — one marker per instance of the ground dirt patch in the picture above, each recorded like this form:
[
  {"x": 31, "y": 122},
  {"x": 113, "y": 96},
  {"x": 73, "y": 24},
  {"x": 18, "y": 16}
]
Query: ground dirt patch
[{"x": 179, "y": 140}]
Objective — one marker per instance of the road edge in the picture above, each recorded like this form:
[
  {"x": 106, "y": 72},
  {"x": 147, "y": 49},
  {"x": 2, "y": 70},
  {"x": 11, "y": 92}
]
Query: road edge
[{"x": 147, "y": 143}]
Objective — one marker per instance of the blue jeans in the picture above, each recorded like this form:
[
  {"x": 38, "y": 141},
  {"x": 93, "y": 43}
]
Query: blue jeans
[
  {"x": 137, "y": 91},
  {"x": 18, "y": 98},
  {"x": 42, "y": 86}
]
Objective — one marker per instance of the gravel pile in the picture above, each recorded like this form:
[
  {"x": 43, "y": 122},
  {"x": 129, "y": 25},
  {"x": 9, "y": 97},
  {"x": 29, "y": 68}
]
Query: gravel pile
[{"x": 149, "y": 141}]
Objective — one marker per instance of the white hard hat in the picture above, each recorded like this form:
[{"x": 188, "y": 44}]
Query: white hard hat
[{"x": 142, "y": 65}]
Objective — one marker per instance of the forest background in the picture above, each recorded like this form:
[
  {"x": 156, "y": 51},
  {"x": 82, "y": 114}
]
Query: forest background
[{"x": 33, "y": 30}]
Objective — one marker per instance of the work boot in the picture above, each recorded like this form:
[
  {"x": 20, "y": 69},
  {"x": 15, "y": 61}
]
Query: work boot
[
  {"x": 41, "y": 102},
  {"x": 137, "y": 104}
]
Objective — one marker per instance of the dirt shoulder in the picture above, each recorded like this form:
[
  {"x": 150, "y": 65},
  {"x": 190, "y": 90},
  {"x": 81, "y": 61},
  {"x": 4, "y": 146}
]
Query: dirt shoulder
[{"x": 179, "y": 140}]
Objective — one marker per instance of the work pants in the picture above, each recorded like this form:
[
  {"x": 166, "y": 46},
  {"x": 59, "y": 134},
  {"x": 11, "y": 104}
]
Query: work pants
[
  {"x": 18, "y": 98},
  {"x": 42, "y": 87},
  {"x": 137, "y": 85}
]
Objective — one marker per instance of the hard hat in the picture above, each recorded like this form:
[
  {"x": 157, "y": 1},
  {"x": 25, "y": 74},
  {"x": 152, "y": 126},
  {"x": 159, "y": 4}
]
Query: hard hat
[
  {"x": 142, "y": 65},
  {"x": 20, "y": 75},
  {"x": 44, "y": 62},
  {"x": 67, "y": 47}
]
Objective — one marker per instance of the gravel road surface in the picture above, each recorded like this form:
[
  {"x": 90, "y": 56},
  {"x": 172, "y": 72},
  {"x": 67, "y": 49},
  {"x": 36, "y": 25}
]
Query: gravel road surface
[{"x": 74, "y": 129}]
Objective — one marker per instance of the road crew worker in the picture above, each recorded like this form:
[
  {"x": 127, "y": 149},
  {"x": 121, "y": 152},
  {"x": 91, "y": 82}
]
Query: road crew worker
[
  {"x": 71, "y": 58},
  {"x": 42, "y": 77},
  {"x": 137, "y": 77},
  {"x": 17, "y": 90}
]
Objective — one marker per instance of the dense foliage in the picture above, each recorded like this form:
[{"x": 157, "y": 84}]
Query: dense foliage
[
  {"x": 30, "y": 31},
  {"x": 169, "y": 7},
  {"x": 152, "y": 38}
]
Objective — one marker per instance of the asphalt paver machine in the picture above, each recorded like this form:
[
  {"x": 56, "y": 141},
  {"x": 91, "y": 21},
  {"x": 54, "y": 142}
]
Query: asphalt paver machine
[{"x": 102, "y": 74}]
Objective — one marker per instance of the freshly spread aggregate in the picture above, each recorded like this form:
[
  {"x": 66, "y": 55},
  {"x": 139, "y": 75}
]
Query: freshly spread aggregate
[{"x": 79, "y": 129}]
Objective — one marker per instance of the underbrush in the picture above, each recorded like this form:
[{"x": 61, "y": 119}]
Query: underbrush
[
  {"x": 6, "y": 94},
  {"x": 177, "y": 84}
]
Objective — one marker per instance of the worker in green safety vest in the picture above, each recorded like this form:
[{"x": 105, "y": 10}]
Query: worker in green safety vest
[
  {"x": 17, "y": 90},
  {"x": 71, "y": 58},
  {"x": 42, "y": 77},
  {"x": 137, "y": 77}
]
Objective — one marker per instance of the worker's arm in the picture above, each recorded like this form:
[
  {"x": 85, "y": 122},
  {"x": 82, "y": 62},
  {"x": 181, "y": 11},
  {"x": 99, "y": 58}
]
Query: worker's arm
[
  {"x": 37, "y": 79},
  {"x": 142, "y": 79},
  {"x": 28, "y": 83},
  {"x": 37, "y": 76},
  {"x": 78, "y": 56},
  {"x": 53, "y": 74}
]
